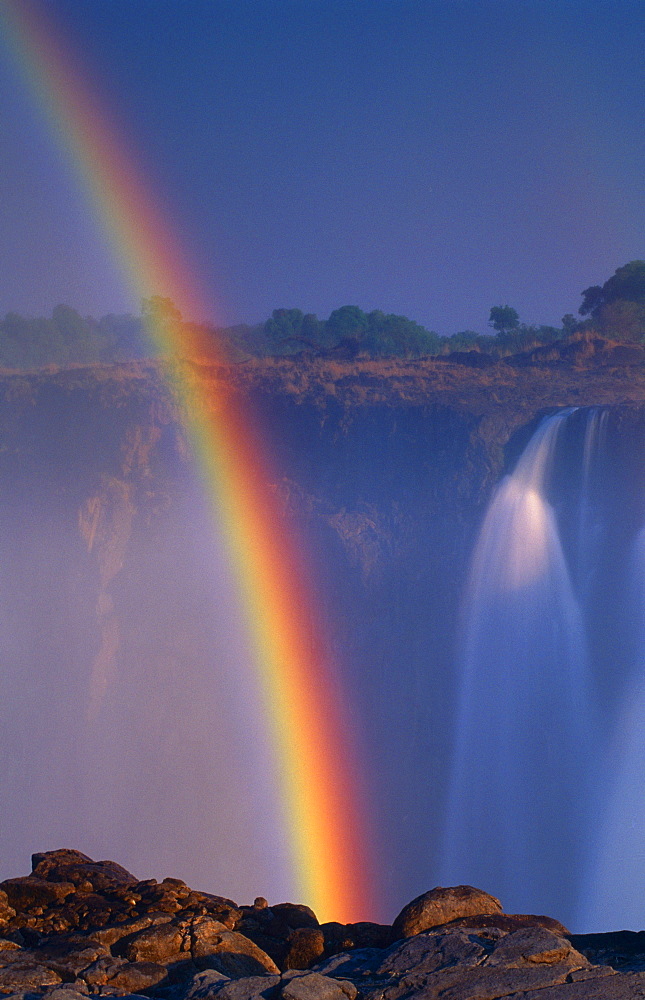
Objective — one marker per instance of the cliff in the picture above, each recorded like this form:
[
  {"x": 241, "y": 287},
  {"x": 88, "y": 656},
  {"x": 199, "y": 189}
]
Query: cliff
[{"x": 122, "y": 706}]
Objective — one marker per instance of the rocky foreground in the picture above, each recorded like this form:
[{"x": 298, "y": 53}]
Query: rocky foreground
[{"x": 75, "y": 927}]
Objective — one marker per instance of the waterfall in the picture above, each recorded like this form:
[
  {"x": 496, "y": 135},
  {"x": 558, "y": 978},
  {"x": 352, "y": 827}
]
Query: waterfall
[
  {"x": 516, "y": 814},
  {"x": 613, "y": 888}
]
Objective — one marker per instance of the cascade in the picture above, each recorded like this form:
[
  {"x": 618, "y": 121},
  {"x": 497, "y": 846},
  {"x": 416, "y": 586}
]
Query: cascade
[{"x": 519, "y": 797}]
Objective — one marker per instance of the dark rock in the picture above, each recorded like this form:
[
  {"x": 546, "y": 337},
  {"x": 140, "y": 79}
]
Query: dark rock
[
  {"x": 295, "y": 915},
  {"x": 623, "y": 950},
  {"x": 305, "y": 947},
  {"x": 441, "y": 906},
  {"x": 343, "y": 937}
]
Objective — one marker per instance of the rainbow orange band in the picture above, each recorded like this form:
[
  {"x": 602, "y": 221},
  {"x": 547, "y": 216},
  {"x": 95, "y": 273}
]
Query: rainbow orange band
[{"x": 315, "y": 767}]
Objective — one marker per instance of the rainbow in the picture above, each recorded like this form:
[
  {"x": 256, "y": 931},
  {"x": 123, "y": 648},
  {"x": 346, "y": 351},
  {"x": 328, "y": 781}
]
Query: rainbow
[{"x": 314, "y": 760}]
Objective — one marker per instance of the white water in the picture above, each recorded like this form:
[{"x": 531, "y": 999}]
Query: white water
[
  {"x": 613, "y": 890},
  {"x": 516, "y": 813}
]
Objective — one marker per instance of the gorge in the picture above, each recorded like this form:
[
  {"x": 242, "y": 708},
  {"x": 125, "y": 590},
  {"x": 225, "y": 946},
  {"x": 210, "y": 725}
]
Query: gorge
[{"x": 129, "y": 728}]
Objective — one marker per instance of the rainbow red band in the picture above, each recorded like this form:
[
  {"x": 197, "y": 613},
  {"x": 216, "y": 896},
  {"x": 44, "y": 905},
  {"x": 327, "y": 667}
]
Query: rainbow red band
[{"x": 315, "y": 767}]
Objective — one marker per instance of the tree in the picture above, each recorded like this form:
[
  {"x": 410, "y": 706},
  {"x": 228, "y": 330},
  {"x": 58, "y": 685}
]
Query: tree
[
  {"x": 503, "y": 318},
  {"x": 627, "y": 283},
  {"x": 618, "y": 307}
]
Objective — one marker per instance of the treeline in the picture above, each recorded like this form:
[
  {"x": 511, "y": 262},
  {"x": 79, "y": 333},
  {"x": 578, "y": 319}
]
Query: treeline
[{"x": 615, "y": 309}]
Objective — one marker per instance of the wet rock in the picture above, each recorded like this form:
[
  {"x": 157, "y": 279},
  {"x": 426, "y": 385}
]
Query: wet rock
[
  {"x": 441, "y": 906},
  {"x": 305, "y": 947}
]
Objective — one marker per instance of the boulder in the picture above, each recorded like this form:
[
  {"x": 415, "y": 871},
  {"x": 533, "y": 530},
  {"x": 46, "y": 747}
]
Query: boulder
[
  {"x": 313, "y": 986},
  {"x": 237, "y": 957},
  {"x": 160, "y": 943},
  {"x": 205, "y": 935},
  {"x": 441, "y": 906},
  {"x": 72, "y": 866},
  {"x": 304, "y": 947}
]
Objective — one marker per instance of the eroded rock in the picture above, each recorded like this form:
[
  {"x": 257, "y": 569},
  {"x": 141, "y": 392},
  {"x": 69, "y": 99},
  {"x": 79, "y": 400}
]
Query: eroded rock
[{"x": 441, "y": 906}]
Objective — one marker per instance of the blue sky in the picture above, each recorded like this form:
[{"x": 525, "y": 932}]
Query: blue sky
[{"x": 422, "y": 157}]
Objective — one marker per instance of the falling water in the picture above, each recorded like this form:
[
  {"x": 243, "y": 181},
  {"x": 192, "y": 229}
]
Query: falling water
[
  {"x": 516, "y": 808},
  {"x": 613, "y": 889}
]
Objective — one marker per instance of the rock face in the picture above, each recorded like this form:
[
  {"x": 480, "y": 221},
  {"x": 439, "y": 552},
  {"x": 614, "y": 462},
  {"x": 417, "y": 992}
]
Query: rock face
[
  {"x": 116, "y": 599},
  {"x": 106, "y": 933}
]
